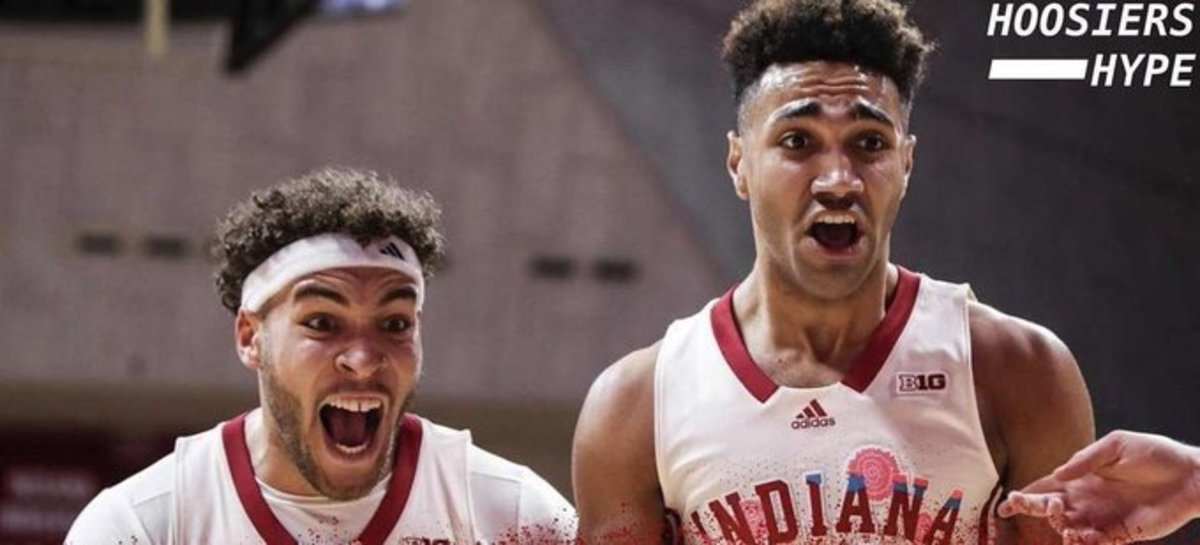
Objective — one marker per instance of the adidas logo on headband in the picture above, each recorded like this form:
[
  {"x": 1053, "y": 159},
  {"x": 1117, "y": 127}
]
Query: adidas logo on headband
[{"x": 391, "y": 249}]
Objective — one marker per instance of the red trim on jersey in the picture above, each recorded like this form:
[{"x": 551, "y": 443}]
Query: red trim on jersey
[
  {"x": 733, "y": 347},
  {"x": 985, "y": 516},
  {"x": 233, "y": 436},
  {"x": 404, "y": 469},
  {"x": 862, "y": 370}
]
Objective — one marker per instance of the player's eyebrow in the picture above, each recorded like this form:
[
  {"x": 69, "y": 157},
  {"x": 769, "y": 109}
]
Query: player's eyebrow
[
  {"x": 864, "y": 110},
  {"x": 812, "y": 108},
  {"x": 402, "y": 292},
  {"x": 801, "y": 108},
  {"x": 310, "y": 291}
]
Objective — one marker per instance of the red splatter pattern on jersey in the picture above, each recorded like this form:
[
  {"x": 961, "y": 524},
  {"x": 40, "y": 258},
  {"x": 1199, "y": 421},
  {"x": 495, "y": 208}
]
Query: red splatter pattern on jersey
[{"x": 878, "y": 467}]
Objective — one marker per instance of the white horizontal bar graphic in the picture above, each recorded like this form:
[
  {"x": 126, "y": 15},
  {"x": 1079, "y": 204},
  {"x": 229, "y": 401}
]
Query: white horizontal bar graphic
[{"x": 1038, "y": 69}]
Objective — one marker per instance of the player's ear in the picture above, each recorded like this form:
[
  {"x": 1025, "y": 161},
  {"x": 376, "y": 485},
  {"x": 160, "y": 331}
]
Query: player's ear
[
  {"x": 733, "y": 163},
  {"x": 908, "y": 152},
  {"x": 246, "y": 331}
]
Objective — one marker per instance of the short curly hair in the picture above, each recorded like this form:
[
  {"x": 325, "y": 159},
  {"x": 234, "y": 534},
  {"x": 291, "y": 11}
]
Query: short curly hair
[
  {"x": 330, "y": 200},
  {"x": 875, "y": 34}
]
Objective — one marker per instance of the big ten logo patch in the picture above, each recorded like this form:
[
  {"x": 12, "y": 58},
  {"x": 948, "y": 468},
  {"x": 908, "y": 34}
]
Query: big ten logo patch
[{"x": 915, "y": 383}]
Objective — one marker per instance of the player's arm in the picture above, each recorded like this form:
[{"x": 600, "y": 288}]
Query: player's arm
[
  {"x": 612, "y": 462},
  {"x": 1037, "y": 405}
]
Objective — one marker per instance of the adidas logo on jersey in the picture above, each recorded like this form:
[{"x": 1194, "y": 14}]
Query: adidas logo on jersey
[{"x": 813, "y": 416}]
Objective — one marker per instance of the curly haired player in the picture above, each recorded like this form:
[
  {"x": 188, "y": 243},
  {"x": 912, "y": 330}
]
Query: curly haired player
[
  {"x": 326, "y": 277},
  {"x": 831, "y": 393}
]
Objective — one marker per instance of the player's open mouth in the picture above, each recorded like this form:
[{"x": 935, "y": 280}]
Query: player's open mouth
[
  {"x": 350, "y": 422},
  {"x": 835, "y": 232}
]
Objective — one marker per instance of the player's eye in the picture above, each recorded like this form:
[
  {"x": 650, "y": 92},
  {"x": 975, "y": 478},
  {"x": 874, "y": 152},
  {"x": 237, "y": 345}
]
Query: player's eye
[
  {"x": 795, "y": 140},
  {"x": 873, "y": 142},
  {"x": 321, "y": 323},
  {"x": 395, "y": 324}
]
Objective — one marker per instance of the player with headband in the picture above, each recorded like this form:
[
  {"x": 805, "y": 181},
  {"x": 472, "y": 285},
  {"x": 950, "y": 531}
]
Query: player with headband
[{"x": 326, "y": 277}]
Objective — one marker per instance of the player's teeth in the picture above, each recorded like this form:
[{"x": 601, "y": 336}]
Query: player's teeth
[
  {"x": 351, "y": 450},
  {"x": 356, "y": 405},
  {"x": 836, "y": 220}
]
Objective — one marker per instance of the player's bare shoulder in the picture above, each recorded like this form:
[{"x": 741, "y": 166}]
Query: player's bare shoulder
[
  {"x": 613, "y": 461},
  {"x": 627, "y": 382},
  {"x": 1008, "y": 346},
  {"x": 619, "y": 410},
  {"x": 1022, "y": 368}
]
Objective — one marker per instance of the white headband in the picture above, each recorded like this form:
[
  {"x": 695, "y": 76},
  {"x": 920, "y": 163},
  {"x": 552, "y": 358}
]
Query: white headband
[{"x": 324, "y": 252}]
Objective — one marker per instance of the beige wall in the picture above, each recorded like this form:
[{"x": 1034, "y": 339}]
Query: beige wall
[{"x": 475, "y": 102}]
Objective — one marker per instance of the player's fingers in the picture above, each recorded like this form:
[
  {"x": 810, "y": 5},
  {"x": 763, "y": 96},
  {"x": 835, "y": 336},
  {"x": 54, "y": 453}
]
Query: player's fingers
[
  {"x": 1104, "y": 452},
  {"x": 1013, "y": 505},
  {"x": 1019, "y": 503},
  {"x": 1082, "y": 536},
  {"x": 1120, "y": 533},
  {"x": 1055, "y": 509},
  {"x": 1008, "y": 508},
  {"x": 1092, "y": 536},
  {"x": 1044, "y": 485}
]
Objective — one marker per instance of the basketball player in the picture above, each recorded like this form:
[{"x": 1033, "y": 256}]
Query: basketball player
[
  {"x": 1125, "y": 487},
  {"x": 326, "y": 276},
  {"x": 831, "y": 394}
]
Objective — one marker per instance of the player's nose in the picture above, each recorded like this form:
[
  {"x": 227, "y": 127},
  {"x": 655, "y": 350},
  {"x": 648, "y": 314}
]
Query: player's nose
[
  {"x": 837, "y": 185},
  {"x": 361, "y": 358}
]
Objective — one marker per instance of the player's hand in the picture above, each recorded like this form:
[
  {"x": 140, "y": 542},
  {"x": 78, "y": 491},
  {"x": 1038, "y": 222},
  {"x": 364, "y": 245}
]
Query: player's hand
[{"x": 1125, "y": 487}]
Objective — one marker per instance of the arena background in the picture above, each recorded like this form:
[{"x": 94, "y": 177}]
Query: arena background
[{"x": 577, "y": 148}]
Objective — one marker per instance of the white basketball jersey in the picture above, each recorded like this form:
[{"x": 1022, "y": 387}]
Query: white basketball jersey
[
  {"x": 218, "y": 499},
  {"x": 441, "y": 490},
  {"x": 894, "y": 453}
]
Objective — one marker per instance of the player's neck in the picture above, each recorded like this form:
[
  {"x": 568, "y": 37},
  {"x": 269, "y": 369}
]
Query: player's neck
[
  {"x": 777, "y": 317},
  {"x": 270, "y": 461}
]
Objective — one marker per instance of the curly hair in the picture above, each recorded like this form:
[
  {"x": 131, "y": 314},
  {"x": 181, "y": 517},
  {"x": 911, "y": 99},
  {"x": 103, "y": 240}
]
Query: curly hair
[
  {"x": 875, "y": 34},
  {"x": 329, "y": 200}
]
